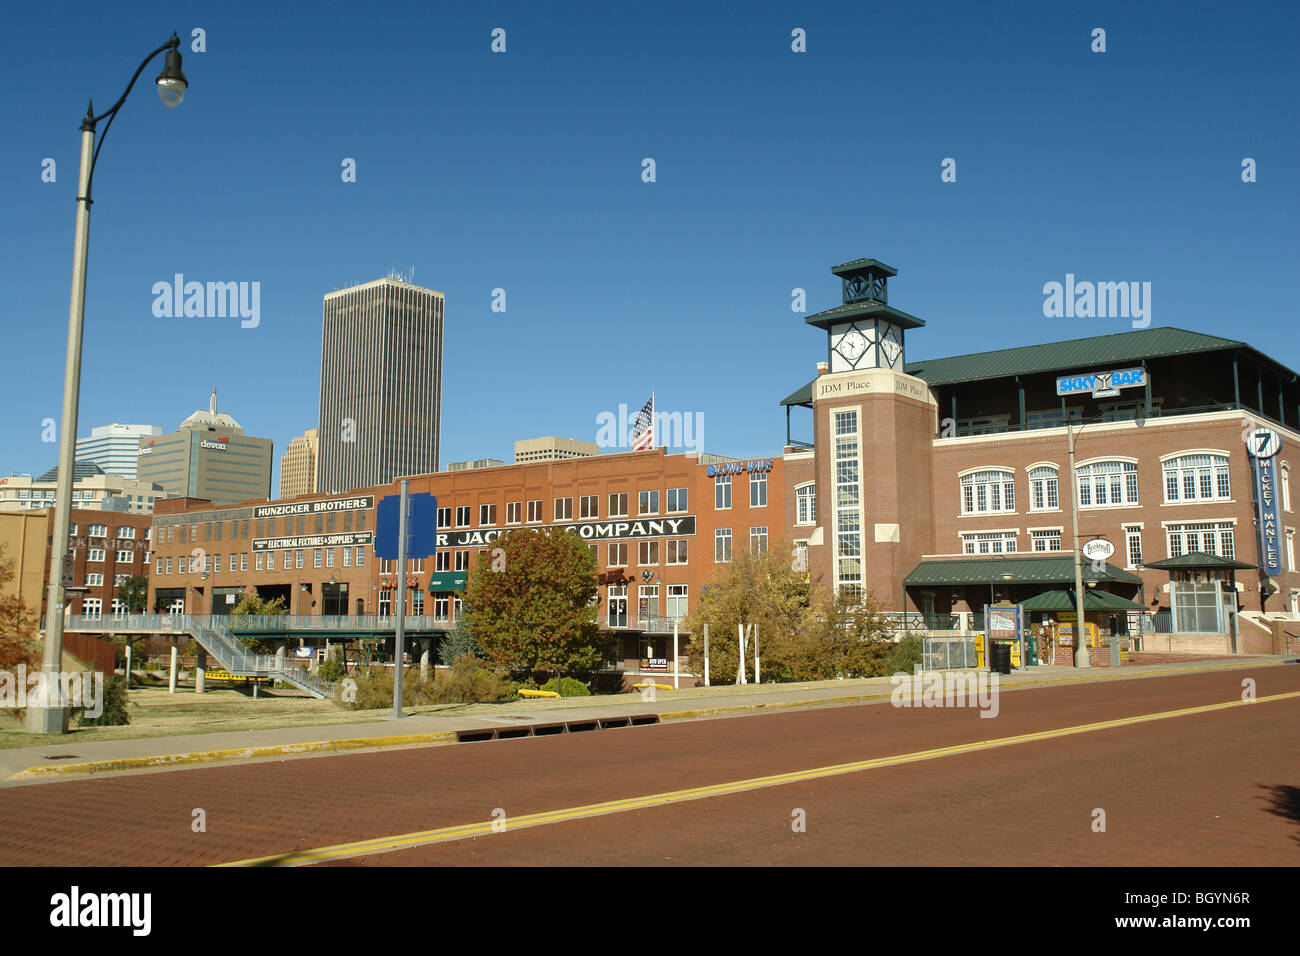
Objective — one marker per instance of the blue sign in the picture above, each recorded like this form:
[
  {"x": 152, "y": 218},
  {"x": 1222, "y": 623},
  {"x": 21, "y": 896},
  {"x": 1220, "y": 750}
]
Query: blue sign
[
  {"x": 421, "y": 526},
  {"x": 1263, "y": 445},
  {"x": 1106, "y": 382}
]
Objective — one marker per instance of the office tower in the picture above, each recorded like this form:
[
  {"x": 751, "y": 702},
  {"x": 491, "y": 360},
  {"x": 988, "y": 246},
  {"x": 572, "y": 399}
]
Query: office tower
[
  {"x": 380, "y": 384},
  {"x": 298, "y": 466},
  {"x": 114, "y": 447},
  {"x": 553, "y": 448}
]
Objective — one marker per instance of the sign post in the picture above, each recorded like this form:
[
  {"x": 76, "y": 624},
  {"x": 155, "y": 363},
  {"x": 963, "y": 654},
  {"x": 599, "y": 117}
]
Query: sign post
[{"x": 399, "y": 635}]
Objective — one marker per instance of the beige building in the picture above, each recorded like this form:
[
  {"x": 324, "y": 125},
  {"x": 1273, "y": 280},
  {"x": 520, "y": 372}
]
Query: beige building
[
  {"x": 476, "y": 463},
  {"x": 210, "y": 457},
  {"x": 298, "y": 466},
  {"x": 92, "y": 488},
  {"x": 22, "y": 545},
  {"x": 553, "y": 448}
]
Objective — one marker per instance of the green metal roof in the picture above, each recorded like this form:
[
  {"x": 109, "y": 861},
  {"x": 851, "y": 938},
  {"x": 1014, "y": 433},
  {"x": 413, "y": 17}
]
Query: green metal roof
[
  {"x": 1092, "y": 601},
  {"x": 1199, "y": 560},
  {"x": 1024, "y": 570},
  {"x": 862, "y": 264},
  {"x": 866, "y": 309},
  {"x": 1072, "y": 355}
]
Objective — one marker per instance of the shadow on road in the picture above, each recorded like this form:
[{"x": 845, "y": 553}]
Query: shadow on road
[{"x": 1284, "y": 801}]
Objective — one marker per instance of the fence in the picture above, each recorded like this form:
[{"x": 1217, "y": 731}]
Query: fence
[{"x": 947, "y": 653}]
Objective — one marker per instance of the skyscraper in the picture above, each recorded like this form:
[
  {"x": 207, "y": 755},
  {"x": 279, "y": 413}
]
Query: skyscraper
[
  {"x": 114, "y": 447},
  {"x": 209, "y": 456},
  {"x": 380, "y": 384},
  {"x": 298, "y": 466}
]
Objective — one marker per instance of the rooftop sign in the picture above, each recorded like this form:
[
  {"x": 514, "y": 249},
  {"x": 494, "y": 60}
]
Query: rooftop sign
[{"x": 1101, "y": 384}]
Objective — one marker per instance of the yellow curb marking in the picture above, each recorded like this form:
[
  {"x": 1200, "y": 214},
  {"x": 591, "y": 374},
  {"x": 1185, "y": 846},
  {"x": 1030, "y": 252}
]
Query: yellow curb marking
[{"x": 449, "y": 834}]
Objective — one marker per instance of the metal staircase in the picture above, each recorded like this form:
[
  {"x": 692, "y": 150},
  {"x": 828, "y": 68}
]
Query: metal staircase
[{"x": 215, "y": 638}]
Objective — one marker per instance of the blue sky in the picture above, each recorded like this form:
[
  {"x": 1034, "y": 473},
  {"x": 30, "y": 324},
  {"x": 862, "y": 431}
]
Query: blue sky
[{"x": 522, "y": 171}]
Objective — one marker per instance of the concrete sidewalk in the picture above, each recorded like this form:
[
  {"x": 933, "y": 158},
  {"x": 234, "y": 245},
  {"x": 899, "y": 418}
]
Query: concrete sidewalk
[{"x": 69, "y": 760}]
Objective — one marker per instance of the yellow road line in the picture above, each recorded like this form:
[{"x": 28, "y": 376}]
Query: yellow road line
[{"x": 448, "y": 834}]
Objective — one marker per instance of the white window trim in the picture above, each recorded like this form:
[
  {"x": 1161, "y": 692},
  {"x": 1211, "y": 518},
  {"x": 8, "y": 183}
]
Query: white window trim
[
  {"x": 1195, "y": 451},
  {"x": 975, "y": 471},
  {"x": 1044, "y": 464}
]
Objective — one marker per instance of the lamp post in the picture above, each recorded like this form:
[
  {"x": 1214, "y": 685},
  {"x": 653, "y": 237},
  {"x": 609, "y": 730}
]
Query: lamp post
[
  {"x": 1081, "y": 657},
  {"x": 50, "y": 715}
]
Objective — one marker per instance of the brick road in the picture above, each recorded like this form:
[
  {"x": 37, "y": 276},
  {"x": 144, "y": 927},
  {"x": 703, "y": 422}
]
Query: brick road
[{"x": 1188, "y": 790}]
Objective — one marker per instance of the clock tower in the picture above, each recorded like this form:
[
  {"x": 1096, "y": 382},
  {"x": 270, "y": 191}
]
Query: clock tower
[{"x": 874, "y": 426}]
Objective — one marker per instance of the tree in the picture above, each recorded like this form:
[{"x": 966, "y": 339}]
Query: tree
[
  {"x": 18, "y": 625},
  {"x": 459, "y": 641},
  {"x": 531, "y": 602},
  {"x": 251, "y": 604},
  {"x": 134, "y": 593},
  {"x": 762, "y": 589}
]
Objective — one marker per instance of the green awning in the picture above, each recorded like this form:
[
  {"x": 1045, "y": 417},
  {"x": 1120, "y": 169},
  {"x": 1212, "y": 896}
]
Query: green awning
[
  {"x": 1092, "y": 601},
  {"x": 448, "y": 581},
  {"x": 986, "y": 570},
  {"x": 1199, "y": 560}
]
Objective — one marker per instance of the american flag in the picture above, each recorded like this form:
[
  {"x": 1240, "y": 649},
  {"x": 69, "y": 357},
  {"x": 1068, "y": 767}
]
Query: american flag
[{"x": 643, "y": 429}]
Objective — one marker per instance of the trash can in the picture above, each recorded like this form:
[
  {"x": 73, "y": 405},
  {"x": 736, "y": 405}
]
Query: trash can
[{"x": 1000, "y": 657}]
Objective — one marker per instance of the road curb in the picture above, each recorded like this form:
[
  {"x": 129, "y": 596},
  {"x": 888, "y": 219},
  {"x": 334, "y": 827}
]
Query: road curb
[{"x": 158, "y": 761}]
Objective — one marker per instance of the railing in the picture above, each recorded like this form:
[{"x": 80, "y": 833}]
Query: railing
[
  {"x": 662, "y": 625},
  {"x": 332, "y": 622},
  {"x": 1115, "y": 416},
  {"x": 922, "y": 621}
]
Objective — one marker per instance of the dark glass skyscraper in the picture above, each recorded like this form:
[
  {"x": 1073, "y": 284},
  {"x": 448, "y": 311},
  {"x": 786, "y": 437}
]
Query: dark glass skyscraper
[{"x": 380, "y": 385}]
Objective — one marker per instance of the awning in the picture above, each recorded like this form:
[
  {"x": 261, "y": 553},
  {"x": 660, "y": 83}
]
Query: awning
[
  {"x": 1024, "y": 569},
  {"x": 448, "y": 581},
  {"x": 1092, "y": 601},
  {"x": 1199, "y": 560}
]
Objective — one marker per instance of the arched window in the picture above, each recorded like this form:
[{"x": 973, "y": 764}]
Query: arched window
[
  {"x": 988, "y": 492},
  {"x": 1286, "y": 487},
  {"x": 1202, "y": 477},
  {"x": 1108, "y": 483},
  {"x": 1043, "y": 489}
]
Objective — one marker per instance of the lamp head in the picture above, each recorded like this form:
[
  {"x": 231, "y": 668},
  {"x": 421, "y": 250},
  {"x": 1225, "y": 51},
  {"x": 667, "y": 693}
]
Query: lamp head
[{"x": 171, "y": 81}]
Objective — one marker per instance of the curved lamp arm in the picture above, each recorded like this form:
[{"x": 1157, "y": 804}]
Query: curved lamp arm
[{"x": 90, "y": 120}]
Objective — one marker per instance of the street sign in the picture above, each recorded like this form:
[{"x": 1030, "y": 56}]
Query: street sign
[
  {"x": 421, "y": 530},
  {"x": 1101, "y": 384}
]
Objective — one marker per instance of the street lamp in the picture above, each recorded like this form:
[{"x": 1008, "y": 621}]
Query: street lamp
[{"x": 50, "y": 716}]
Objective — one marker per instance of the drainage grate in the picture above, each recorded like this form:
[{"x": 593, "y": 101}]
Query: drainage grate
[{"x": 548, "y": 730}]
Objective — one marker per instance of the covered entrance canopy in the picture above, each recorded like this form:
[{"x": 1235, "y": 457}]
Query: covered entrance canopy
[
  {"x": 1203, "y": 593},
  {"x": 1051, "y": 601}
]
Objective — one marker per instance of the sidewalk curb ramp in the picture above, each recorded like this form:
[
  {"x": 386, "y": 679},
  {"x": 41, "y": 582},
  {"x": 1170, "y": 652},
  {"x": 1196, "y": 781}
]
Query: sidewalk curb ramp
[{"x": 544, "y": 729}]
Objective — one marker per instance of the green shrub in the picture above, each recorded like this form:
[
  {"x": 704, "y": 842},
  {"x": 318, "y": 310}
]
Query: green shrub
[
  {"x": 904, "y": 656},
  {"x": 115, "y": 713},
  {"x": 568, "y": 687},
  {"x": 330, "y": 669}
]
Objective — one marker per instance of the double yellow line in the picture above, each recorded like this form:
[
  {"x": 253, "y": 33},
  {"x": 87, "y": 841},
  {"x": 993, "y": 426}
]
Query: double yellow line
[{"x": 449, "y": 834}]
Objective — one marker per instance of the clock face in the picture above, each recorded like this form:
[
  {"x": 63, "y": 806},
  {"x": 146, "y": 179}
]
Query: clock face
[
  {"x": 892, "y": 349},
  {"x": 852, "y": 346}
]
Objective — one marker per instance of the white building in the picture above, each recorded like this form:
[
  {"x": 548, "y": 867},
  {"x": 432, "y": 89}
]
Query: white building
[
  {"x": 92, "y": 487},
  {"x": 114, "y": 447}
]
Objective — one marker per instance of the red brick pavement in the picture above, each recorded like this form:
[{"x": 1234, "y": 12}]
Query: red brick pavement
[{"x": 278, "y": 807}]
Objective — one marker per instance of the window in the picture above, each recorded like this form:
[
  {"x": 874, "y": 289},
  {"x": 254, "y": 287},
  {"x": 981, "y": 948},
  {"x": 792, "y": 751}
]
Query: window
[
  {"x": 317, "y": 557},
  {"x": 563, "y": 509},
  {"x": 1286, "y": 486},
  {"x": 758, "y": 540},
  {"x": 95, "y": 554},
  {"x": 297, "y": 559},
  {"x": 124, "y": 531},
  {"x": 440, "y": 608},
  {"x": 678, "y": 551},
  {"x": 648, "y": 607},
  {"x": 648, "y": 503},
  {"x": 617, "y": 554},
  {"x": 514, "y": 512},
  {"x": 462, "y": 560},
  {"x": 159, "y": 568},
  {"x": 124, "y": 556},
  {"x": 417, "y": 602},
  {"x": 98, "y": 531},
  {"x": 722, "y": 545},
  {"x": 1197, "y": 478},
  {"x": 618, "y": 505},
  {"x": 993, "y": 542},
  {"x": 758, "y": 490},
  {"x": 589, "y": 506},
  {"x": 848, "y": 504},
  {"x": 72, "y": 529},
  {"x": 257, "y": 561},
  {"x": 1043, "y": 489},
  {"x": 270, "y": 560},
  {"x": 1133, "y": 545},
  {"x": 120, "y": 579},
  {"x": 487, "y": 514},
  {"x": 618, "y": 605},
  {"x": 442, "y": 561},
  {"x": 329, "y": 557},
  {"x": 92, "y": 607},
  {"x": 385, "y": 602},
  {"x": 677, "y": 500},
  {"x": 94, "y": 580},
  {"x": 721, "y": 492},
  {"x": 462, "y": 516},
  {"x": 1290, "y": 549},
  {"x": 805, "y": 500},
  {"x": 800, "y": 562},
  {"x": 677, "y": 602},
  {"x": 535, "y": 510},
  {"x": 1045, "y": 540},
  {"x": 1108, "y": 484},
  {"x": 243, "y": 561},
  {"x": 216, "y": 563},
  {"x": 1208, "y": 537},
  {"x": 359, "y": 558},
  {"x": 444, "y": 517},
  {"x": 988, "y": 492},
  {"x": 647, "y": 552}
]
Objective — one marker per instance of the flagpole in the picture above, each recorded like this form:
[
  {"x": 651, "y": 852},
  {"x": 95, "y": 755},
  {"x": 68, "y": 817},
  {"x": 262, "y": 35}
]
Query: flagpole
[{"x": 652, "y": 418}]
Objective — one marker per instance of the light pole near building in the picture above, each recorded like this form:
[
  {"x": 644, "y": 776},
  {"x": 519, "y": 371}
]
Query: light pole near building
[
  {"x": 50, "y": 716},
  {"x": 1081, "y": 656}
]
